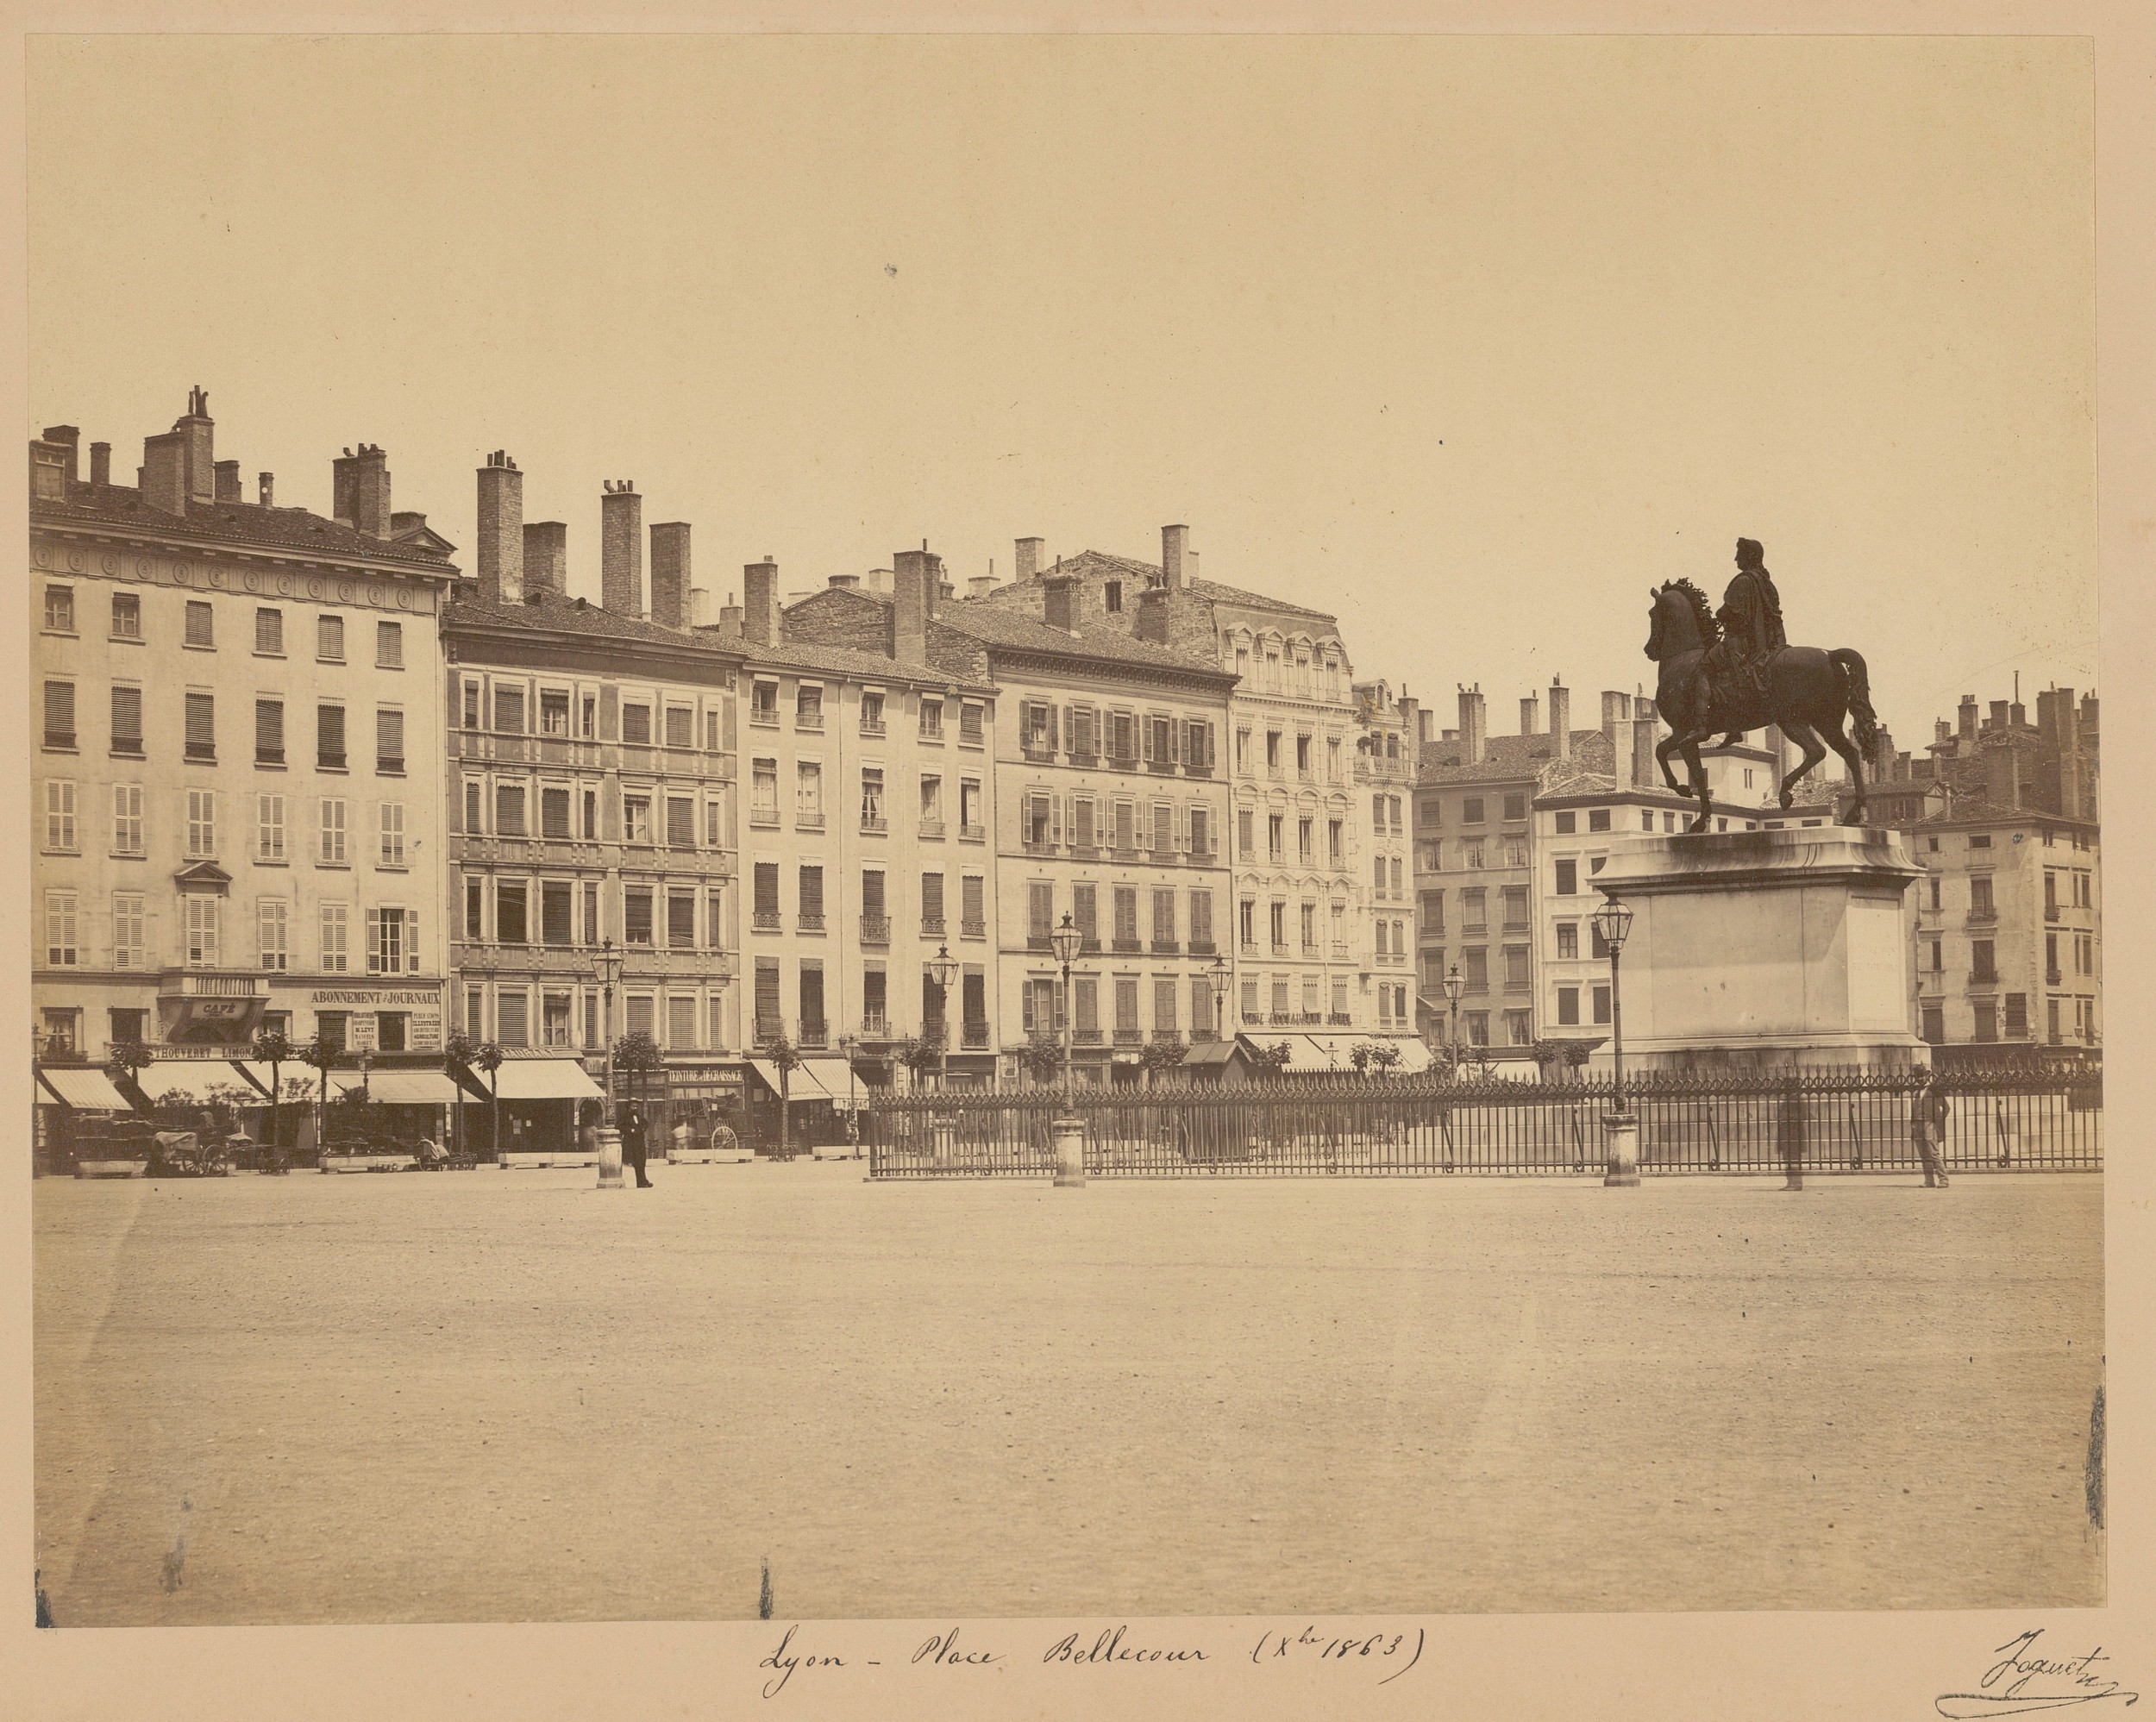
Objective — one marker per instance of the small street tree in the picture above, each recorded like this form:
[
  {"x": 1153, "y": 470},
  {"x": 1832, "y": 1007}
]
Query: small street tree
[
  {"x": 1159, "y": 1057},
  {"x": 1271, "y": 1061},
  {"x": 486, "y": 1058},
  {"x": 130, "y": 1059},
  {"x": 273, "y": 1047},
  {"x": 320, "y": 1055},
  {"x": 638, "y": 1056},
  {"x": 786, "y": 1059},
  {"x": 462, "y": 1048},
  {"x": 1041, "y": 1057},
  {"x": 923, "y": 1054}
]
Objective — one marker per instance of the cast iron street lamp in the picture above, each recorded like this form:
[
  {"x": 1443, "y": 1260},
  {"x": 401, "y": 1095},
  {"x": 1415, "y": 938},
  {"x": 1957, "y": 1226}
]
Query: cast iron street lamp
[
  {"x": 943, "y": 971},
  {"x": 1455, "y": 985},
  {"x": 1218, "y": 974},
  {"x": 1613, "y": 924},
  {"x": 1068, "y": 1130},
  {"x": 608, "y": 963}
]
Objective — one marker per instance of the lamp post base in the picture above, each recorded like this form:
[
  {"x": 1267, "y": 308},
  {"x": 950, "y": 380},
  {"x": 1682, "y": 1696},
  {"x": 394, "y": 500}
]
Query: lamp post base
[
  {"x": 1069, "y": 1136},
  {"x": 610, "y": 1158},
  {"x": 1621, "y": 1139}
]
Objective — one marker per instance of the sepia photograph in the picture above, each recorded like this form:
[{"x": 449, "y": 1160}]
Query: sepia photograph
[{"x": 1075, "y": 829}]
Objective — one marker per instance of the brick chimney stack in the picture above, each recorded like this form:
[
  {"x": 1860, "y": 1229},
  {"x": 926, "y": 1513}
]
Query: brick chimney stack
[
  {"x": 1560, "y": 718},
  {"x": 1059, "y": 600},
  {"x": 1028, "y": 564},
  {"x": 910, "y": 579},
  {"x": 760, "y": 603},
  {"x": 163, "y": 478},
  {"x": 1530, "y": 715},
  {"x": 621, "y": 547},
  {"x": 66, "y": 437},
  {"x": 1644, "y": 773},
  {"x": 200, "y": 431},
  {"x": 1152, "y": 614},
  {"x": 1967, "y": 714},
  {"x": 1174, "y": 541},
  {"x": 359, "y": 486},
  {"x": 501, "y": 529},
  {"x": 670, "y": 573},
  {"x": 265, "y": 489},
  {"x": 100, "y": 463},
  {"x": 228, "y": 481},
  {"x": 546, "y": 559},
  {"x": 1616, "y": 713},
  {"x": 1472, "y": 732}
]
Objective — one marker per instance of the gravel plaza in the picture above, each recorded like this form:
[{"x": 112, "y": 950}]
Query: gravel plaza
[{"x": 496, "y": 1396}]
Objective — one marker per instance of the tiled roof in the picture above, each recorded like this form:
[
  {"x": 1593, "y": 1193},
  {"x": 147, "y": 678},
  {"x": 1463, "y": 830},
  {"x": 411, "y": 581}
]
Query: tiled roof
[
  {"x": 995, "y": 624},
  {"x": 230, "y": 523},
  {"x": 558, "y": 615},
  {"x": 1149, "y": 572},
  {"x": 1513, "y": 756}
]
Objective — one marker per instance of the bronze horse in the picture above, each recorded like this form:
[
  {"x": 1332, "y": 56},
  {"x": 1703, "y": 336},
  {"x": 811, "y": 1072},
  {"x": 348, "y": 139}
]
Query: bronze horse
[{"x": 1808, "y": 693}]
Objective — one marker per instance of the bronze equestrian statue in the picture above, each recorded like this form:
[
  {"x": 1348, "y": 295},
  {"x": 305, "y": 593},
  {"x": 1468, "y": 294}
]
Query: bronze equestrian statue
[{"x": 1736, "y": 672}]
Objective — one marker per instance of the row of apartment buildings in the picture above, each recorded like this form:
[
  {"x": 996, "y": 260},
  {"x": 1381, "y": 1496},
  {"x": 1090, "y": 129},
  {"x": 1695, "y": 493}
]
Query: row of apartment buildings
[{"x": 300, "y": 770}]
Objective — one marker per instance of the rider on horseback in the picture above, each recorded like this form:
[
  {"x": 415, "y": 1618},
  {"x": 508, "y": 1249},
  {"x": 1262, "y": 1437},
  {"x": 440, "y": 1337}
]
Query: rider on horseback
[{"x": 1750, "y": 618}]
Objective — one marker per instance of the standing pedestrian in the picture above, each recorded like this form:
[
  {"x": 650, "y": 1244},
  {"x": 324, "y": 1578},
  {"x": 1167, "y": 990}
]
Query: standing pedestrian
[
  {"x": 632, "y": 1146},
  {"x": 1928, "y": 1126},
  {"x": 1789, "y": 1132}
]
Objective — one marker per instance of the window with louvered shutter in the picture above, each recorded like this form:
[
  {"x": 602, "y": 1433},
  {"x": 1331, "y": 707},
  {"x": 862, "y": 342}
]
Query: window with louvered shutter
[
  {"x": 554, "y": 914},
  {"x": 330, "y": 737},
  {"x": 681, "y": 919},
  {"x": 554, "y": 812},
  {"x": 60, "y": 714},
  {"x": 766, "y": 903},
  {"x": 389, "y": 739},
  {"x": 680, "y": 823},
  {"x": 811, "y": 892},
  {"x": 269, "y": 732},
  {"x": 126, "y": 720},
  {"x": 201, "y": 726},
  {"x": 766, "y": 996},
  {"x": 679, "y": 726}
]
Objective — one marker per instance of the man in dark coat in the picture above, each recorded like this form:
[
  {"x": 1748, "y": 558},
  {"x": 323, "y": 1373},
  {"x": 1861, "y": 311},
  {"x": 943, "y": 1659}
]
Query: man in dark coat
[
  {"x": 632, "y": 1145},
  {"x": 1928, "y": 1126}
]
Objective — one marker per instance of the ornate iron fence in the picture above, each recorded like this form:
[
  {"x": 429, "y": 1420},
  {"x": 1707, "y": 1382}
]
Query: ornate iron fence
[{"x": 1854, "y": 1120}]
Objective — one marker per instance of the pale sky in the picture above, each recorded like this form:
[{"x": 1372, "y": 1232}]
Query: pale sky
[{"x": 1468, "y": 340}]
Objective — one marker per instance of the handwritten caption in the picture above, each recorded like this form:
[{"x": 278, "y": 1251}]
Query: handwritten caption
[
  {"x": 957, "y": 1649},
  {"x": 2023, "y": 1681}
]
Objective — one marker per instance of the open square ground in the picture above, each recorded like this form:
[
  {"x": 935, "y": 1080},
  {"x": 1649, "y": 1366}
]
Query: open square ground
[{"x": 498, "y": 1397}]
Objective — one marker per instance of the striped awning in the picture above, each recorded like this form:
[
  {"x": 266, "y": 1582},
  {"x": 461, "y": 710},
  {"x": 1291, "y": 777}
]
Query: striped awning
[
  {"x": 540, "y": 1079},
  {"x": 85, "y": 1089},
  {"x": 189, "y": 1080},
  {"x": 412, "y": 1088}
]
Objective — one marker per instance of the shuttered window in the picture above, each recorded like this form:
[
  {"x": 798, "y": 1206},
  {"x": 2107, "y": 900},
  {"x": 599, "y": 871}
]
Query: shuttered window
[
  {"x": 812, "y": 887},
  {"x": 636, "y": 916},
  {"x": 680, "y": 726},
  {"x": 126, "y": 720},
  {"x": 555, "y": 920},
  {"x": 330, "y": 737},
  {"x": 389, "y": 741},
  {"x": 767, "y": 997},
  {"x": 60, "y": 714},
  {"x": 681, "y": 919},
  {"x": 766, "y": 894},
  {"x": 971, "y": 892},
  {"x": 680, "y": 823},
  {"x": 269, "y": 731},
  {"x": 554, "y": 812},
  {"x": 201, "y": 726}
]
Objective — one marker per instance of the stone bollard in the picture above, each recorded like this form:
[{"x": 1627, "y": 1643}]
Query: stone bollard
[
  {"x": 1621, "y": 1136},
  {"x": 610, "y": 1158},
  {"x": 1070, "y": 1137}
]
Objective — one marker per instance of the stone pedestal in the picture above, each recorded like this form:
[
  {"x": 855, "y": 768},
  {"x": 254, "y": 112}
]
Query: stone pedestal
[
  {"x": 1620, "y": 1142},
  {"x": 610, "y": 1158},
  {"x": 1760, "y": 949},
  {"x": 1069, "y": 1136}
]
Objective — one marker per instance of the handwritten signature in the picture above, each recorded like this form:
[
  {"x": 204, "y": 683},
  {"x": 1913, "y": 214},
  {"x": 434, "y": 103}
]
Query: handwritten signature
[{"x": 2022, "y": 1683}]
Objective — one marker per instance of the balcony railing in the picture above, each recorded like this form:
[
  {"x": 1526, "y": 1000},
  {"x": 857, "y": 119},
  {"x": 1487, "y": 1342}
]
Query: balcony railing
[
  {"x": 872, "y": 726},
  {"x": 873, "y": 825},
  {"x": 1130, "y": 1037},
  {"x": 810, "y": 920},
  {"x": 875, "y": 929},
  {"x": 1983, "y": 977},
  {"x": 973, "y": 833},
  {"x": 1338, "y": 1019},
  {"x": 931, "y": 926},
  {"x": 763, "y": 920},
  {"x": 815, "y": 1034},
  {"x": 805, "y": 822},
  {"x": 1203, "y": 948},
  {"x": 973, "y": 1037},
  {"x": 1086, "y": 1036},
  {"x": 769, "y": 1029},
  {"x": 1164, "y": 947},
  {"x": 764, "y": 716},
  {"x": 1038, "y": 752},
  {"x": 1121, "y": 944},
  {"x": 1037, "y": 940},
  {"x": 875, "y": 1026},
  {"x": 931, "y": 828},
  {"x": 1983, "y": 917},
  {"x": 973, "y": 929}
]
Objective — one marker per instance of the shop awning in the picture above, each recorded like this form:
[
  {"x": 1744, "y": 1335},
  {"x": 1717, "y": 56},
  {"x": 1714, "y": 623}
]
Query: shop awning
[
  {"x": 540, "y": 1078},
  {"x": 413, "y": 1088},
  {"x": 308, "y": 1078},
  {"x": 1210, "y": 1052},
  {"x": 189, "y": 1080},
  {"x": 87, "y": 1090},
  {"x": 815, "y": 1079},
  {"x": 1307, "y": 1054}
]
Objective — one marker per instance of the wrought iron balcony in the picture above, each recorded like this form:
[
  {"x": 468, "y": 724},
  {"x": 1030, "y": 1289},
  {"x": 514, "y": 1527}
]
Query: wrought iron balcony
[
  {"x": 875, "y": 929},
  {"x": 973, "y": 1037}
]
